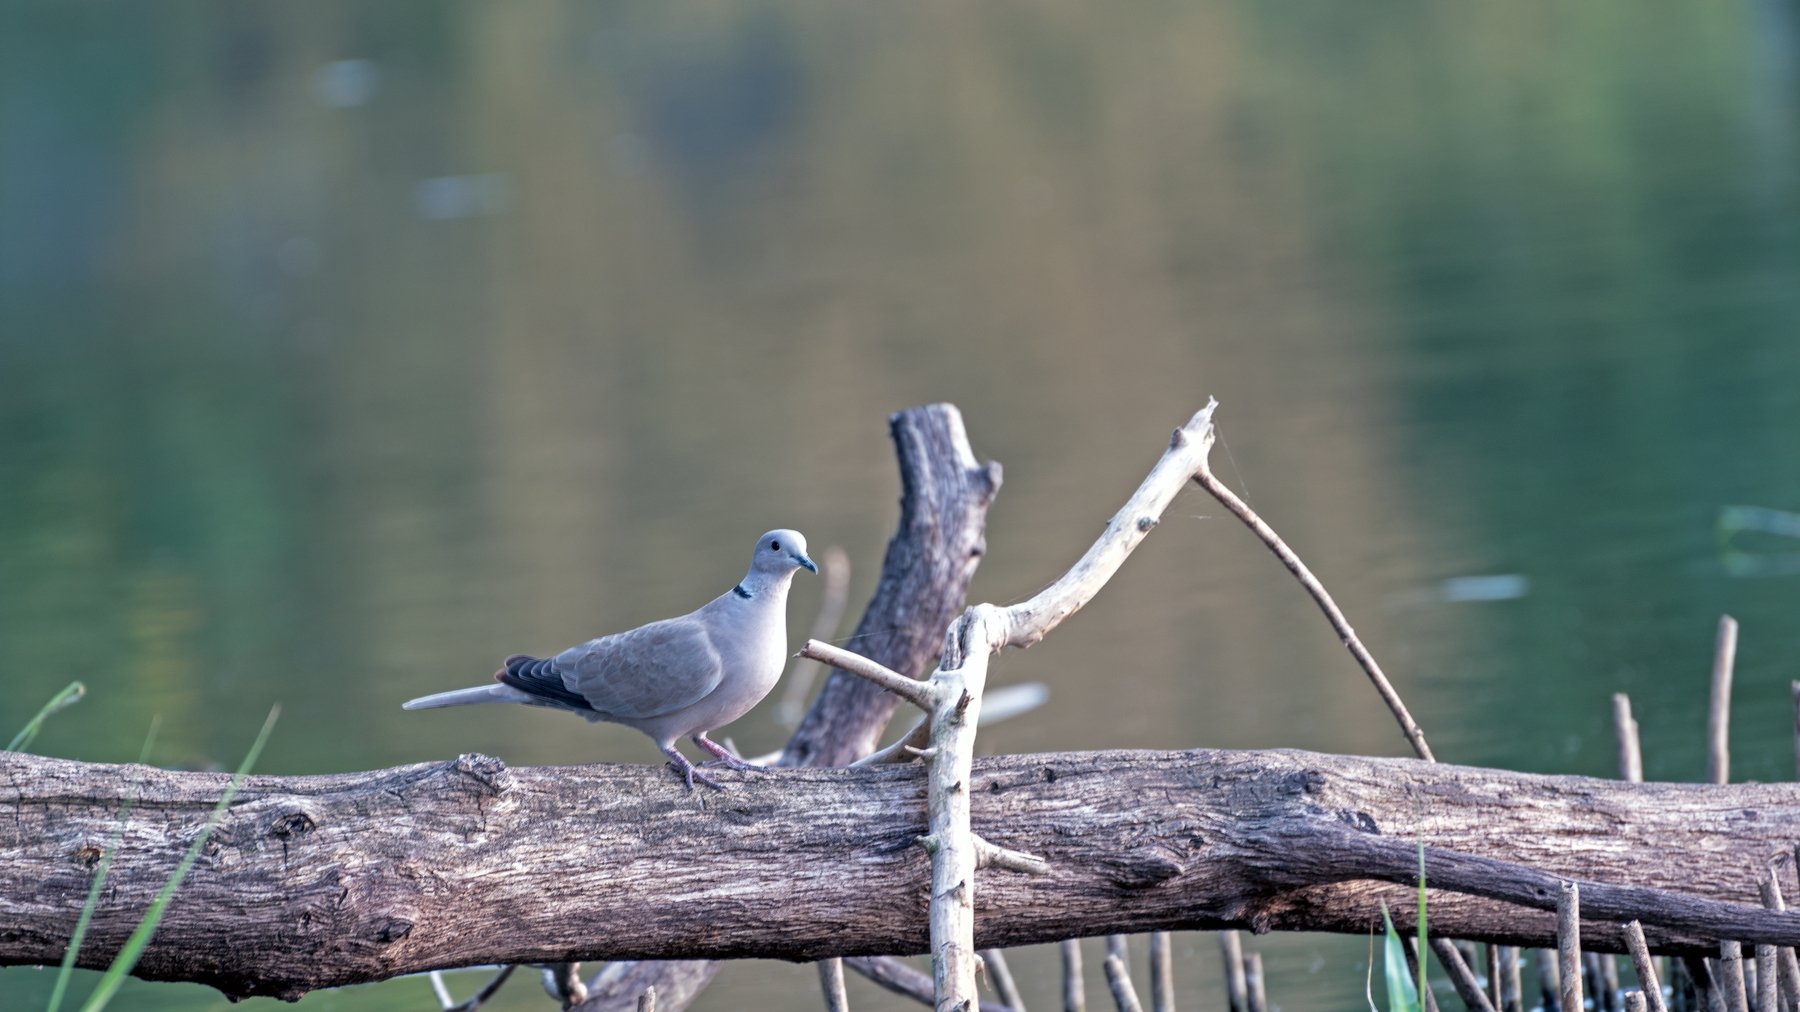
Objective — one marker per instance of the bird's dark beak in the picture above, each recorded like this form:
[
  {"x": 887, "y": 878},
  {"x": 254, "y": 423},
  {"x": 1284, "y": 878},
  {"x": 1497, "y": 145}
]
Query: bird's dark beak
[{"x": 806, "y": 562}]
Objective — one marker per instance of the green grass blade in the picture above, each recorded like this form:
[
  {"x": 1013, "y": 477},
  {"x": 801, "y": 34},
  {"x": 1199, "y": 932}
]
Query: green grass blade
[
  {"x": 93, "y": 897},
  {"x": 62, "y": 701},
  {"x": 140, "y": 938},
  {"x": 1401, "y": 995}
]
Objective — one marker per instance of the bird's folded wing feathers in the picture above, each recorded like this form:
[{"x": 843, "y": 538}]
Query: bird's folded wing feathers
[{"x": 646, "y": 672}]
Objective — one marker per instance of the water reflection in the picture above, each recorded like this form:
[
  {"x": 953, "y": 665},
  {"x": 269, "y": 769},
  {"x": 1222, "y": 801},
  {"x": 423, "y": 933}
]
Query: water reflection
[{"x": 340, "y": 346}]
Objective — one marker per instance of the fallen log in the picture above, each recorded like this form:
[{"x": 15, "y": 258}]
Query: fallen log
[{"x": 319, "y": 881}]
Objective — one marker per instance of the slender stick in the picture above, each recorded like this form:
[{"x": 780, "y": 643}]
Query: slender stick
[
  {"x": 913, "y": 691},
  {"x": 1162, "y": 973},
  {"x": 1770, "y": 887},
  {"x": 1118, "y": 951},
  {"x": 1461, "y": 977},
  {"x": 1322, "y": 598},
  {"x": 1493, "y": 976},
  {"x": 474, "y": 1001},
  {"x": 1590, "y": 965},
  {"x": 1568, "y": 945},
  {"x": 1409, "y": 946},
  {"x": 1625, "y": 728},
  {"x": 1706, "y": 987},
  {"x": 1074, "y": 992},
  {"x": 1124, "y": 995},
  {"x": 1253, "y": 975},
  {"x": 1644, "y": 965},
  {"x": 831, "y": 981},
  {"x": 1609, "y": 979},
  {"x": 1731, "y": 977},
  {"x": 1001, "y": 975},
  {"x": 1718, "y": 720},
  {"x": 1549, "y": 977},
  {"x": 1512, "y": 989},
  {"x": 900, "y": 977},
  {"x": 1237, "y": 990},
  {"x": 1768, "y": 984}
]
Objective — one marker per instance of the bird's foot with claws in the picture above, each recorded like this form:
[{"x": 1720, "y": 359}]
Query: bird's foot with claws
[
  {"x": 726, "y": 757},
  {"x": 679, "y": 763}
]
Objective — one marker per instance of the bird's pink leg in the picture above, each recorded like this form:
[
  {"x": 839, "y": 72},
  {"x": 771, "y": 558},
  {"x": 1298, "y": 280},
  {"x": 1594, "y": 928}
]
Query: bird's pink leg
[
  {"x": 687, "y": 770},
  {"x": 726, "y": 757}
]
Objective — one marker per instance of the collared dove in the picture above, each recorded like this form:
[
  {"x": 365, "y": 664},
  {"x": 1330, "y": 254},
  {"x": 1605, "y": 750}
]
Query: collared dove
[{"x": 679, "y": 676}]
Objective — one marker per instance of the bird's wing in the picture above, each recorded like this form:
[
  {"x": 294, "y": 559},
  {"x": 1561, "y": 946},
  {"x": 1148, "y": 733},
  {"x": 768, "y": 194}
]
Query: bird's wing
[{"x": 645, "y": 672}]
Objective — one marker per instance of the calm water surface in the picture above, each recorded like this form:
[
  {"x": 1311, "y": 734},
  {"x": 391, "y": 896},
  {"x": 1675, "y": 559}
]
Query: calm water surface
[{"x": 347, "y": 349}]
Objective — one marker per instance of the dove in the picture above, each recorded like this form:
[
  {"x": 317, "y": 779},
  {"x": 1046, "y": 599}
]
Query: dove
[{"x": 680, "y": 676}]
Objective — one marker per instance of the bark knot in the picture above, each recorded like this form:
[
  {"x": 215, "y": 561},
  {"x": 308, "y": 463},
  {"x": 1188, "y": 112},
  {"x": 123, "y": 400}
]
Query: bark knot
[
  {"x": 486, "y": 771},
  {"x": 1143, "y": 867}
]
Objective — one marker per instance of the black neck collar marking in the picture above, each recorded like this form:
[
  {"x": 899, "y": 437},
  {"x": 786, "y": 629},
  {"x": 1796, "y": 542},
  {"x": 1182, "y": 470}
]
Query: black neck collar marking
[{"x": 741, "y": 592}]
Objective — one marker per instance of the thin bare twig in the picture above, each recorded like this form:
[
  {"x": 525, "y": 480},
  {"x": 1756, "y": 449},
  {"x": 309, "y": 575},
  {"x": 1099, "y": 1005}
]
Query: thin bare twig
[
  {"x": 1461, "y": 977},
  {"x": 1718, "y": 720},
  {"x": 474, "y": 1001},
  {"x": 1644, "y": 965},
  {"x": 1512, "y": 988},
  {"x": 990, "y": 855},
  {"x": 1625, "y": 729},
  {"x": 1074, "y": 992},
  {"x": 1493, "y": 976},
  {"x": 1731, "y": 976},
  {"x": 1549, "y": 977},
  {"x": 1231, "y": 948},
  {"x": 1770, "y": 887},
  {"x": 911, "y": 690},
  {"x": 1253, "y": 976},
  {"x": 1001, "y": 975},
  {"x": 1410, "y": 948},
  {"x": 1323, "y": 599},
  {"x": 1162, "y": 973},
  {"x": 1124, "y": 995},
  {"x": 831, "y": 982},
  {"x": 903, "y": 751},
  {"x": 834, "y": 566},
  {"x": 897, "y": 976},
  {"x": 1568, "y": 944},
  {"x": 1768, "y": 984},
  {"x": 1608, "y": 966},
  {"x": 1706, "y": 986}
]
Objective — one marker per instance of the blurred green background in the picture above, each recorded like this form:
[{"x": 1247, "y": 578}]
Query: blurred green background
[{"x": 348, "y": 348}]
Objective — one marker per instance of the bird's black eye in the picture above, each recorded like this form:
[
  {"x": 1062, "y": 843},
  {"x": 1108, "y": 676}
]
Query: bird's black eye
[{"x": 774, "y": 546}]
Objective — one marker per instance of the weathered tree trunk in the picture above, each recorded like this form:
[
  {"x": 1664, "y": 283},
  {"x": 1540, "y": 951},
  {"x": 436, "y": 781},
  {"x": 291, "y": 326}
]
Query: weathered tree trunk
[
  {"x": 318, "y": 881},
  {"x": 944, "y": 497},
  {"x": 924, "y": 578}
]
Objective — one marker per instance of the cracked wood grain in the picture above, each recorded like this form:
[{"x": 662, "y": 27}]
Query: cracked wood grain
[{"x": 321, "y": 881}]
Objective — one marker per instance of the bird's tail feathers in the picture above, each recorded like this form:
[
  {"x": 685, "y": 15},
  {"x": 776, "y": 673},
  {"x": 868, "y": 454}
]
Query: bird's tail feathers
[{"x": 496, "y": 693}]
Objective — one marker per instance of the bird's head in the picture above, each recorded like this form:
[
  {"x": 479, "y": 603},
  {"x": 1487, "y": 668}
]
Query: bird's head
[{"x": 779, "y": 553}]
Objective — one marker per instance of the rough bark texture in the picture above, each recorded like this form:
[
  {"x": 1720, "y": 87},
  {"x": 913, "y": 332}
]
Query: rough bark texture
[
  {"x": 944, "y": 496},
  {"x": 318, "y": 881}
]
